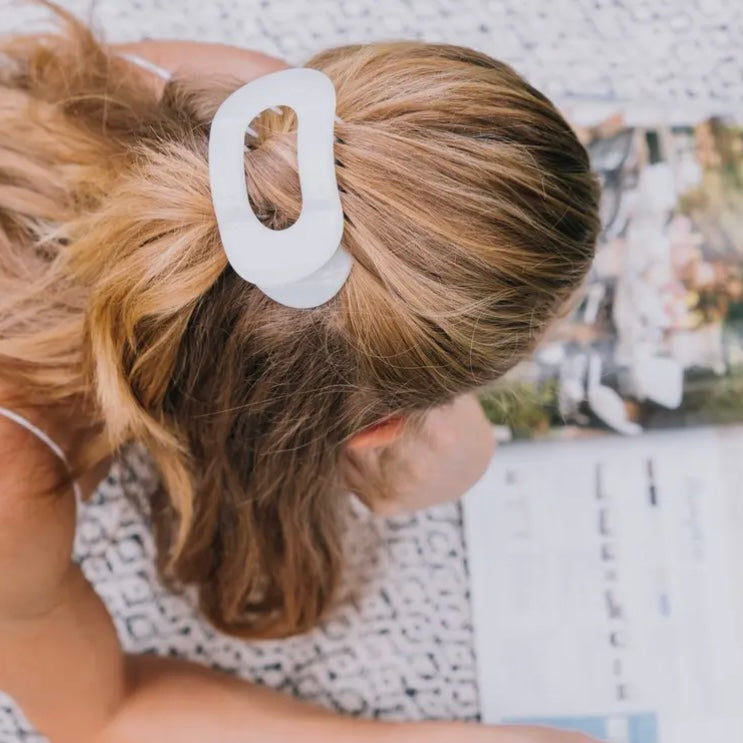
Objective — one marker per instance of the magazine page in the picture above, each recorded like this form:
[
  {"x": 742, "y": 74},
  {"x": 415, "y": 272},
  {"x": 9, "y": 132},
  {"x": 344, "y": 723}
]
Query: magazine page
[
  {"x": 605, "y": 588},
  {"x": 655, "y": 339}
]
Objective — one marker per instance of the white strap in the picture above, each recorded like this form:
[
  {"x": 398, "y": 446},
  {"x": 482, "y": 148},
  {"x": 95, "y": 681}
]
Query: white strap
[
  {"x": 145, "y": 64},
  {"x": 44, "y": 438}
]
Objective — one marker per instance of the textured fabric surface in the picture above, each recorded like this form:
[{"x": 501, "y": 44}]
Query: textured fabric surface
[{"x": 400, "y": 646}]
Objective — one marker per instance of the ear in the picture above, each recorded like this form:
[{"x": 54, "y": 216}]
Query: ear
[{"x": 378, "y": 434}]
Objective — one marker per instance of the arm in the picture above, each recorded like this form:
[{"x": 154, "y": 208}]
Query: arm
[{"x": 50, "y": 619}]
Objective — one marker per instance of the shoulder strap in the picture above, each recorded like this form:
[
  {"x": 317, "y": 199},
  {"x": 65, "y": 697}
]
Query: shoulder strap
[
  {"x": 44, "y": 438},
  {"x": 145, "y": 64}
]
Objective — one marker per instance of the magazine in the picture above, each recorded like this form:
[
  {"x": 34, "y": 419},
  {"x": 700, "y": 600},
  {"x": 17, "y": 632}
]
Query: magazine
[
  {"x": 604, "y": 568},
  {"x": 605, "y": 589},
  {"x": 656, "y": 338}
]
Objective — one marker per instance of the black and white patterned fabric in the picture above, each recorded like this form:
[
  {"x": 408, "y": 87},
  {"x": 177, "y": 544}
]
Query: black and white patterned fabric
[
  {"x": 396, "y": 648},
  {"x": 400, "y": 644}
]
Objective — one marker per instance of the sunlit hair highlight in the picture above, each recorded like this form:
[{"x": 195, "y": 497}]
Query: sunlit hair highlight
[{"x": 470, "y": 215}]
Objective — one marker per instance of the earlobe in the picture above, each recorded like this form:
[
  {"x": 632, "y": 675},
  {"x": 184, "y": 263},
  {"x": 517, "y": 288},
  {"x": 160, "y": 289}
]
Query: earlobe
[{"x": 379, "y": 434}]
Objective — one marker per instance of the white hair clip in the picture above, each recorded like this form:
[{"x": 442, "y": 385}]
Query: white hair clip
[{"x": 304, "y": 265}]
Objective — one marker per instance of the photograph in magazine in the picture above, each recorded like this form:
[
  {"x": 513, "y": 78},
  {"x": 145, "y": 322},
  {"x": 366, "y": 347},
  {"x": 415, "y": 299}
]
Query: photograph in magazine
[{"x": 656, "y": 338}]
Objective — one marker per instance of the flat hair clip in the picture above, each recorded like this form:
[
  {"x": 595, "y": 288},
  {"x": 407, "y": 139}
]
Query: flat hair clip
[{"x": 304, "y": 265}]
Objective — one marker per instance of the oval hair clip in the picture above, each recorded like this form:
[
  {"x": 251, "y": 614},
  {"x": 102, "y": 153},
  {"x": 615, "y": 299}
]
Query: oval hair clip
[{"x": 303, "y": 265}]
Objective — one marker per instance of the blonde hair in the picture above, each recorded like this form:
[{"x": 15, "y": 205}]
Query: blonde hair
[{"x": 470, "y": 215}]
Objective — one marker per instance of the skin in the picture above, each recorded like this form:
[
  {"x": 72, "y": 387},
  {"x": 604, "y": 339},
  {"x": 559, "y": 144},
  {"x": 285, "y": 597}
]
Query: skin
[{"x": 59, "y": 654}]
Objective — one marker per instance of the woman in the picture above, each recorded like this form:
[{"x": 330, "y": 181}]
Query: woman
[{"x": 469, "y": 216}]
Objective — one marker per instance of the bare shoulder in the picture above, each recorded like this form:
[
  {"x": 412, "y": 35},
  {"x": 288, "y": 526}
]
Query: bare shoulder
[
  {"x": 202, "y": 59},
  {"x": 37, "y": 524},
  {"x": 27, "y": 467}
]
